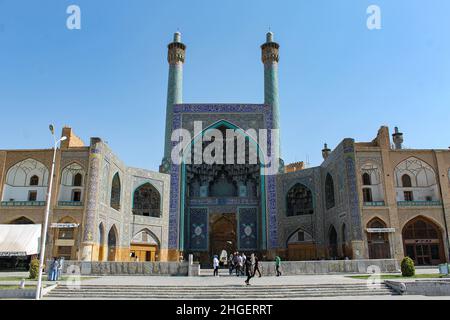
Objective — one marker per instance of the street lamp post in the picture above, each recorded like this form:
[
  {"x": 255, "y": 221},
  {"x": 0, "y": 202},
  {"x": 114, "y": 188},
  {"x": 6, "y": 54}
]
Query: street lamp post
[{"x": 47, "y": 211}]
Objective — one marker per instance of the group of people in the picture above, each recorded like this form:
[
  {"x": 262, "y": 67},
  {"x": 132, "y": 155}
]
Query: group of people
[
  {"x": 55, "y": 271},
  {"x": 243, "y": 265}
]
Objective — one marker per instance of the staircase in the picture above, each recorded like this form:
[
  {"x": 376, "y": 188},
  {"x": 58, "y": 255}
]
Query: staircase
[{"x": 218, "y": 292}]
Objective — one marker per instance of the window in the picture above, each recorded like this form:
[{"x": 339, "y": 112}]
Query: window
[
  {"x": 76, "y": 195},
  {"x": 34, "y": 180},
  {"x": 366, "y": 179},
  {"x": 299, "y": 201},
  {"x": 329, "y": 192},
  {"x": 408, "y": 195},
  {"x": 115, "y": 192},
  {"x": 367, "y": 195},
  {"x": 77, "y": 180},
  {"x": 406, "y": 181},
  {"x": 32, "y": 195},
  {"x": 300, "y": 236},
  {"x": 66, "y": 234}
]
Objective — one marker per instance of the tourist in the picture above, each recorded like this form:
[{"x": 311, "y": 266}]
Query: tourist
[
  {"x": 256, "y": 266},
  {"x": 60, "y": 268},
  {"x": 248, "y": 271},
  {"x": 244, "y": 259},
  {"x": 216, "y": 266},
  {"x": 231, "y": 264},
  {"x": 277, "y": 265},
  {"x": 53, "y": 271},
  {"x": 239, "y": 266}
]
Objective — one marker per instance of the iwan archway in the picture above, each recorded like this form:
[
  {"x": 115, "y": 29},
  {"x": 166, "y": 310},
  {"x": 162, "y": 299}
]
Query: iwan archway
[{"x": 222, "y": 200}]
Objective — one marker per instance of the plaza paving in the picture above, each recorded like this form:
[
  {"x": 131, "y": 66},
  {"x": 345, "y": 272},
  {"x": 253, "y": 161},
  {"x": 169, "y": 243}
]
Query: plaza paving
[{"x": 226, "y": 281}]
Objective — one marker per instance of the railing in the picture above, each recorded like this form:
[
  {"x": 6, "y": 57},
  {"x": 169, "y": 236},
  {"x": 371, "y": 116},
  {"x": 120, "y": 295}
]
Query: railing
[
  {"x": 70, "y": 203},
  {"x": 374, "y": 204},
  {"x": 432, "y": 203},
  {"x": 22, "y": 203}
]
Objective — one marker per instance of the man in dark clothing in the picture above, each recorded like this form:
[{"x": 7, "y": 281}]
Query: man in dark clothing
[
  {"x": 256, "y": 268},
  {"x": 248, "y": 270}
]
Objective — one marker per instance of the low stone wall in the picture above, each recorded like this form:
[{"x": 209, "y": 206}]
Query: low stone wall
[
  {"x": 127, "y": 268},
  {"x": 329, "y": 266},
  {"x": 422, "y": 287}
]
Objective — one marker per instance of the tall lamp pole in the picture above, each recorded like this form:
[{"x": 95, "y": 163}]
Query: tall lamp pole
[{"x": 47, "y": 211}]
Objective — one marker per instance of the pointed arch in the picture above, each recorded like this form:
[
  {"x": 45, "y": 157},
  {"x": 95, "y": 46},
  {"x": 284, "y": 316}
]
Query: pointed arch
[
  {"x": 147, "y": 201},
  {"x": 261, "y": 162},
  {"x": 113, "y": 238},
  {"x": 332, "y": 242},
  {"x": 329, "y": 192},
  {"x": 378, "y": 242},
  {"x": 115, "y": 192},
  {"x": 22, "y": 220},
  {"x": 423, "y": 241},
  {"x": 299, "y": 200}
]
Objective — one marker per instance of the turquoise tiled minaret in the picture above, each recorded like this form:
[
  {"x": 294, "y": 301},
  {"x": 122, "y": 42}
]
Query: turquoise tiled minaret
[
  {"x": 175, "y": 57},
  {"x": 270, "y": 58}
]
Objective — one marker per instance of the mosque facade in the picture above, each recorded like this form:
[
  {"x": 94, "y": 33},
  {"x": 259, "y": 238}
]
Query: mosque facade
[{"x": 366, "y": 200}]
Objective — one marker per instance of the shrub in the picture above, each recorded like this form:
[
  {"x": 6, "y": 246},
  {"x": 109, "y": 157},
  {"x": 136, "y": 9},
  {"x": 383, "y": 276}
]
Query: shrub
[
  {"x": 34, "y": 268},
  {"x": 407, "y": 267}
]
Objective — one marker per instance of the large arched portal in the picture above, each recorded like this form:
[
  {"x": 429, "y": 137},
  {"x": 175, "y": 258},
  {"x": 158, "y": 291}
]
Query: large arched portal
[
  {"x": 223, "y": 201},
  {"x": 144, "y": 246},
  {"x": 422, "y": 241}
]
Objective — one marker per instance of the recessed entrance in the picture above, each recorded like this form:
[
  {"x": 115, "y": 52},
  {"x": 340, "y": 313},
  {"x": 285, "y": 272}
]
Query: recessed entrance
[
  {"x": 423, "y": 243},
  {"x": 222, "y": 235}
]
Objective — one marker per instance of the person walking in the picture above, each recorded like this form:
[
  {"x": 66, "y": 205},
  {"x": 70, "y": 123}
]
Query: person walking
[
  {"x": 256, "y": 267},
  {"x": 231, "y": 264},
  {"x": 244, "y": 260},
  {"x": 278, "y": 265},
  {"x": 216, "y": 266},
  {"x": 239, "y": 269},
  {"x": 248, "y": 271}
]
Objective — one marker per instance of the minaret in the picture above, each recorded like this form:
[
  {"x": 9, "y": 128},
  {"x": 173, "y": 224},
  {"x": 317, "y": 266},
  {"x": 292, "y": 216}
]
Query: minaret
[
  {"x": 325, "y": 151},
  {"x": 270, "y": 59},
  {"x": 175, "y": 57},
  {"x": 397, "y": 137}
]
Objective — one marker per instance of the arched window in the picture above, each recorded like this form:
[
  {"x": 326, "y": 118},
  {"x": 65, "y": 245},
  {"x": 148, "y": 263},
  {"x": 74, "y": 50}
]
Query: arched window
[
  {"x": 367, "y": 181},
  {"x": 406, "y": 181},
  {"x": 77, "y": 180},
  {"x": 115, "y": 192},
  {"x": 34, "y": 180},
  {"x": 299, "y": 201},
  {"x": 329, "y": 192},
  {"x": 147, "y": 201}
]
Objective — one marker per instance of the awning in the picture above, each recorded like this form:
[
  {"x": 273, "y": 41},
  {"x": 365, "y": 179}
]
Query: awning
[{"x": 19, "y": 239}]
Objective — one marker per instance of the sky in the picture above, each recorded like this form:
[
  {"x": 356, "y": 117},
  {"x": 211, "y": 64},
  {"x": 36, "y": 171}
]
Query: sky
[{"x": 337, "y": 78}]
